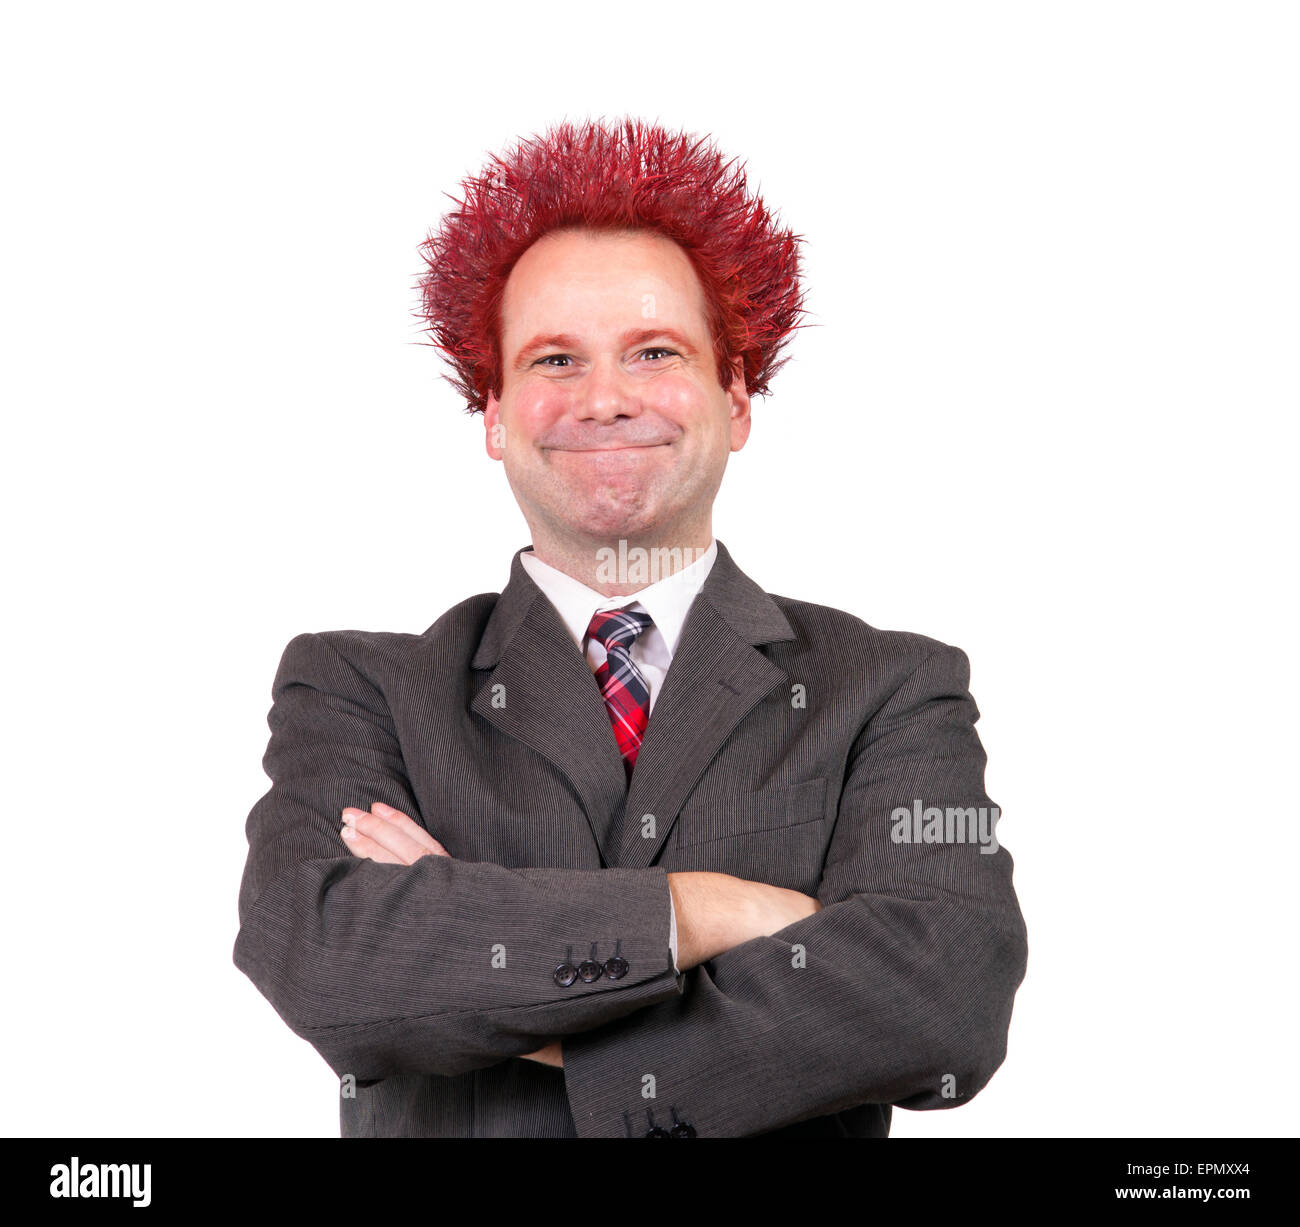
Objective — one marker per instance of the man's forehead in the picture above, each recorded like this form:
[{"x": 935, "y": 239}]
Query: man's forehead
[{"x": 585, "y": 282}]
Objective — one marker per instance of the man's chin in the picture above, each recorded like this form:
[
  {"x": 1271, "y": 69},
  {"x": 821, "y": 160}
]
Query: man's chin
[
  {"x": 605, "y": 522},
  {"x": 611, "y": 529}
]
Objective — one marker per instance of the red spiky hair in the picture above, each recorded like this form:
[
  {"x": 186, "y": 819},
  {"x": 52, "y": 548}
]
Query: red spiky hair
[{"x": 625, "y": 175}]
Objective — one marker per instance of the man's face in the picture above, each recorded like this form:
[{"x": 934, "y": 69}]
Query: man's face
[{"x": 611, "y": 422}]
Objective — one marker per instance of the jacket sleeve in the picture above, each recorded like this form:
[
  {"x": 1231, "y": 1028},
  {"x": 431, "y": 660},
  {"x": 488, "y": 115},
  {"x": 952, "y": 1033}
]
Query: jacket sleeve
[
  {"x": 439, "y": 967},
  {"x": 898, "y": 991}
]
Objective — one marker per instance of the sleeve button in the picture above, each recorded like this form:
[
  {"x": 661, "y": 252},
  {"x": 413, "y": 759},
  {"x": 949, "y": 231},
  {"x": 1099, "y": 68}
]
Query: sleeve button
[
  {"x": 616, "y": 967},
  {"x": 589, "y": 971},
  {"x": 565, "y": 974}
]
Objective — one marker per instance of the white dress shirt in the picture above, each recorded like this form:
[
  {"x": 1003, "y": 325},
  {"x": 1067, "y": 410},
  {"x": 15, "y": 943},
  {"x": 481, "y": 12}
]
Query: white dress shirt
[{"x": 667, "y": 601}]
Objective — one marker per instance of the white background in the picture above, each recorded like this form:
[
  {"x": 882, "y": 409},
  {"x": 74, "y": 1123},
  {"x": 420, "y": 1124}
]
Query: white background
[{"x": 1046, "y": 414}]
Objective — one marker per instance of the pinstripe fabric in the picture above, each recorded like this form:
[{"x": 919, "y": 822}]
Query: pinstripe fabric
[{"x": 424, "y": 981}]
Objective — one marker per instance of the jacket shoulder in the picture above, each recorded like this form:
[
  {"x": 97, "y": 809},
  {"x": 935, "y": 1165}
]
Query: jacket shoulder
[
  {"x": 371, "y": 653},
  {"x": 860, "y": 646}
]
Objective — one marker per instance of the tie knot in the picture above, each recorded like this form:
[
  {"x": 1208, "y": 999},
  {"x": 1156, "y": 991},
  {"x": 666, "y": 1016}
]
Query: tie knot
[{"x": 617, "y": 628}]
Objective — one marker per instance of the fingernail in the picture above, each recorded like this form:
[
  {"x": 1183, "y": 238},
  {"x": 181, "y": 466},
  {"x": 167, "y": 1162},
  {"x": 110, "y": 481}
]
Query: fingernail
[
  {"x": 349, "y": 816},
  {"x": 348, "y": 833}
]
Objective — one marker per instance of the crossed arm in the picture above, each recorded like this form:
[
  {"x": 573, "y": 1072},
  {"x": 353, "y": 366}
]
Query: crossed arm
[{"x": 715, "y": 911}]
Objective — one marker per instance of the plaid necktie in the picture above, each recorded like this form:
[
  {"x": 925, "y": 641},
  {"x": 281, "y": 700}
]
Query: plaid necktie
[{"x": 626, "y": 695}]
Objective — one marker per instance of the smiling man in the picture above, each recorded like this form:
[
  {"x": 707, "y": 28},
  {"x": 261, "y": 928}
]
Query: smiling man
[{"x": 614, "y": 853}]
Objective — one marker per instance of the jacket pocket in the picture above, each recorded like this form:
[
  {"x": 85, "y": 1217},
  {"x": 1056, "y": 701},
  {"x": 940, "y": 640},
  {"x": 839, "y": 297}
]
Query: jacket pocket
[{"x": 748, "y": 813}]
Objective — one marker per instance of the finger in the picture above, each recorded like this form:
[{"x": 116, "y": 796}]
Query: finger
[
  {"x": 410, "y": 826},
  {"x": 386, "y": 834},
  {"x": 362, "y": 846}
]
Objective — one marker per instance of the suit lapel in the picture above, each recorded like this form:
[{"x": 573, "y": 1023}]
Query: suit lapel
[
  {"x": 548, "y": 699},
  {"x": 716, "y": 678},
  {"x": 542, "y": 693}
]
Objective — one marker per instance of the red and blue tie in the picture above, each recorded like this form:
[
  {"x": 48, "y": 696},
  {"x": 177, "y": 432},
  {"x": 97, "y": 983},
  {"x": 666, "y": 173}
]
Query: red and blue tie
[{"x": 626, "y": 695}]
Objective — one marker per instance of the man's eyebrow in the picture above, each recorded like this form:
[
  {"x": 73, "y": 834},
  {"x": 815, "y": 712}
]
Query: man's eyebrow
[
  {"x": 634, "y": 336},
  {"x": 637, "y": 335},
  {"x": 552, "y": 340}
]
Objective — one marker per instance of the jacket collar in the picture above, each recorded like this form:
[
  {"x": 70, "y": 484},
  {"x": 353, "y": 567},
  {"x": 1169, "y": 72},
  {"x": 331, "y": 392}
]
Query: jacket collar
[{"x": 730, "y": 593}]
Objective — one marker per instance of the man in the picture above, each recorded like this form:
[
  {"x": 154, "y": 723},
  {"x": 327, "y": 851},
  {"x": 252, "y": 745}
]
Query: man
[{"x": 627, "y": 850}]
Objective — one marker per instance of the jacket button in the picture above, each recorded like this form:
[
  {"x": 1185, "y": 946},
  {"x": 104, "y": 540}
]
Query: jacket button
[
  {"x": 657, "y": 1132},
  {"x": 683, "y": 1130},
  {"x": 565, "y": 974},
  {"x": 617, "y": 967},
  {"x": 589, "y": 971}
]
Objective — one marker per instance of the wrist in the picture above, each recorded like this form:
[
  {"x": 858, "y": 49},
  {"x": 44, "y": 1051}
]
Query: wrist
[{"x": 709, "y": 909}]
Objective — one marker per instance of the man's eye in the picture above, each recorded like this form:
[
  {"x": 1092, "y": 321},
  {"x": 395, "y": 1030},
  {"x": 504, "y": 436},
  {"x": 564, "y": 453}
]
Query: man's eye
[
  {"x": 552, "y": 357},
  {"x": 659, "y": 349}
]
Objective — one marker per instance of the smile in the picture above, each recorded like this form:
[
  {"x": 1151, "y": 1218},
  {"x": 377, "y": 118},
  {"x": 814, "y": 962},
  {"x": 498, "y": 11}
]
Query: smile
[{"x": 631, "y": 447}]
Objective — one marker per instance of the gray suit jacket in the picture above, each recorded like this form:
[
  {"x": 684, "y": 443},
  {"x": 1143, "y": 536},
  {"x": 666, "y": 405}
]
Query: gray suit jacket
[{"x": 785, "y": 736}]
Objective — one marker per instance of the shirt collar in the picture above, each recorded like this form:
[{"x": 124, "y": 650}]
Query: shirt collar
[{"x": 667, "y": 601}]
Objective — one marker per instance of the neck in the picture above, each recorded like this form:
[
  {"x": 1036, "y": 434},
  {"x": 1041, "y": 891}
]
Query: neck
[{"x": 619, "y": 566}]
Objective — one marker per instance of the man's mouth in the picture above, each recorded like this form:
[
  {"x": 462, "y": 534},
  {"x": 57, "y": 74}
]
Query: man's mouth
[{"x": 623, "y": 447}]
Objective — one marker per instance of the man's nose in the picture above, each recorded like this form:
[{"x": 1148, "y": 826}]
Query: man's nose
[{"x": 605, "y": 393}]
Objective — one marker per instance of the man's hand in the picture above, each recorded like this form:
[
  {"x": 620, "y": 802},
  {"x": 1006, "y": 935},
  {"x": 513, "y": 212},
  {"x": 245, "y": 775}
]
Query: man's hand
[
  {"x": 387, "y": 835},
  {"x": 391, "y": 837},
  {"x": 550, "y": 1055}
]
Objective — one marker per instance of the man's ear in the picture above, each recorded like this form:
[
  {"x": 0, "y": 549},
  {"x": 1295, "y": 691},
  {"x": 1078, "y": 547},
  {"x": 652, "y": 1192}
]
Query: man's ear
[
  {"x": 494, "y": 428},
  {"x": 739, "y": 397}
]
